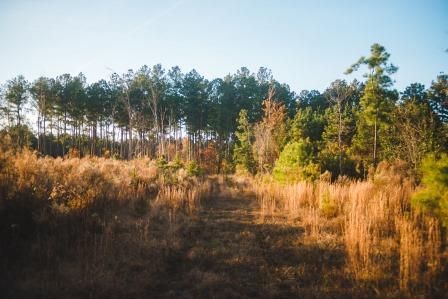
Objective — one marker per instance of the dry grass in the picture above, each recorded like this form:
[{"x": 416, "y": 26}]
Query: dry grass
[
  {"x": 79, "y": 227},
  {"x": 103, "y": 228},
  {"x": 387, "y": 243}
]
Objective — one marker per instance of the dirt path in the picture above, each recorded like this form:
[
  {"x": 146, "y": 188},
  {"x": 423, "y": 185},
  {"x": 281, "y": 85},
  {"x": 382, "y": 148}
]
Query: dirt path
[{"x": 230, "y": 253}]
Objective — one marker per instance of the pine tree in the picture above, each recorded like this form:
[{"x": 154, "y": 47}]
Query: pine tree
[
  {"x": 242, "y": 153},
  {"x": 296, "y": 163},
  {"x": 340, "y": 127},
  {"x": 417, "y": 128},
  {"x": 17, "y": 96},
  {"x": 438, "y": 96},
  {"x": 376, "y": 103}
]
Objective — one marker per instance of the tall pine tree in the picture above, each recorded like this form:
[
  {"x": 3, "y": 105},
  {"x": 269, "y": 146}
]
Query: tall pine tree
[{"x": 377, "y": 102}]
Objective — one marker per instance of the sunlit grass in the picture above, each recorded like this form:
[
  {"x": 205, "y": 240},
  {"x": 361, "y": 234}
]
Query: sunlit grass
[{"x": 384, "y": 238}]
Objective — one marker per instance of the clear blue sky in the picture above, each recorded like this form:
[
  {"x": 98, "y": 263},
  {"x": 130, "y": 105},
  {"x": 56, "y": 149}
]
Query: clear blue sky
[{"x": 307, "y": 44}]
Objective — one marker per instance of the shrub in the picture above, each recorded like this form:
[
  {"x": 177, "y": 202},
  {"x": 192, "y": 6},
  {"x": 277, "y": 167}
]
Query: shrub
[
  {"x": 176, "y": 164},
  {"x": 434, "y": 196},
  {"x": 193, "y": 169},
  {"x": 161, "y": 163},
  {"x": 295, "y": 163}
]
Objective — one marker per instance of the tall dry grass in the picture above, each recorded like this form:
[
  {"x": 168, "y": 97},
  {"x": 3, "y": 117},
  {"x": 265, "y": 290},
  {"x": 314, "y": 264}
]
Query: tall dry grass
[
  {"x": 72, "y": 222},
  {"x": 183, "y": 197},
  {"x": 74, "y": 183},
  {"x": 386, "y": 241}
]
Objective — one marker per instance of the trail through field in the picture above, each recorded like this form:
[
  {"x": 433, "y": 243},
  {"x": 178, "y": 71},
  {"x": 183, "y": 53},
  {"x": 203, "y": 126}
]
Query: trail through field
[{"x": 231, "y": 253}]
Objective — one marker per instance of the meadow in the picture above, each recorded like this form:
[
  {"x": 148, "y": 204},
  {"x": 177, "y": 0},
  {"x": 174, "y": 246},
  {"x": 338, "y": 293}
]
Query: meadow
[{"x": 104, "y": 228}]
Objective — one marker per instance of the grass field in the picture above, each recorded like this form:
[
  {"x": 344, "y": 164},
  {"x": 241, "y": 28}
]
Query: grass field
[{"x": 101, "y": 228}]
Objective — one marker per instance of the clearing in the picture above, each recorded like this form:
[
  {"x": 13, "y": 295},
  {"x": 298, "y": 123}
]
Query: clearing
[{"x": 229, "y": 252}]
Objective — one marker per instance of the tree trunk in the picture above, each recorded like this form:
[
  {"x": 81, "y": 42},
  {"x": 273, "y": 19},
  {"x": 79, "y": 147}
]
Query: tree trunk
[
  {"x": 340, "y": 138},
  {"x": 375, "y": 138}
]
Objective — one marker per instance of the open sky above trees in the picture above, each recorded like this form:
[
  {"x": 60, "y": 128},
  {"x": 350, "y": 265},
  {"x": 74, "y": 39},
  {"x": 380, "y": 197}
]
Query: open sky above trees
[{"x": 307, "y": 44}]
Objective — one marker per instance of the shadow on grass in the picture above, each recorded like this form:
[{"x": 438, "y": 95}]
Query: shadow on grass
[
  {"x": 226, "y": 253},
  {"x": 223, "y": 252}
]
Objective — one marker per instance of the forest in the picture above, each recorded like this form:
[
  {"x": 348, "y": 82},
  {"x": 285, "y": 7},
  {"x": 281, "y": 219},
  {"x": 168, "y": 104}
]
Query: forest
[
  {"x": 244, "y": 119},
  {"x": 160, "y": 161}
]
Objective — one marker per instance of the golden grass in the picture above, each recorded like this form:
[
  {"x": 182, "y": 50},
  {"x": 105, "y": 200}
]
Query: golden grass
[
  {"x": 88, "y": 216},
  {"x": 91, "y": 223},
  {"x": 385, "y": 239},
  {"x": 184, "y": 197}
]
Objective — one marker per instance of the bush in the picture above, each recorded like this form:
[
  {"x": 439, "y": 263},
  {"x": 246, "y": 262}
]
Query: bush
[
  {"x": 176, "y": 164},
  {"x": 161, "y": 163},
  {"x": 434, "y": 196},
  {"x": 193, "y": 169},
  {"x": 296, "y": 164}
]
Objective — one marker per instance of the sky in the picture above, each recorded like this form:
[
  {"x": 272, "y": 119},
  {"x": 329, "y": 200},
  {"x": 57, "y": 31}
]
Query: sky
[{"x": 306, "y": 44}]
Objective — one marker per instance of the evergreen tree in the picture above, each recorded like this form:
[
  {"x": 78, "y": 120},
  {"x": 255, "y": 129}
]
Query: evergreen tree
[
  {"x": 438, "y": 96},
  {"x": 42, "y": 92},
  {"x": 296, "y": 163},
  {"x": 340, "y": 127},
  {"x": 377, "y": 102},
  {"x": 195, "y": 109},
  {"x": 242, "y": 153},
  {"x": 434, "y": 197},
  {"x": 417, "y": 128},
  {"x": 308, "y": 124},
  {"x": 17, "y": 96}
]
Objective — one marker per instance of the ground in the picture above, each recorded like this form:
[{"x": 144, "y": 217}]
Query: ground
[
  {"x": 231, "y": 253},
  {"x": 224, "y": 250}
]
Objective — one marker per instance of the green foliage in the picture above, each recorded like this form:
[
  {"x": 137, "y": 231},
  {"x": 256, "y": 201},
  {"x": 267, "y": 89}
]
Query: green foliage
[
  {"x": 377, "y": 64},
  {"x": 347, "y": 128},
  {"x": 372, "y": 135},
  {"x": 438, "y": 96},
  {"x": 434, "y": 196},
  {"x": 195, "y": 104},
  {"x": 17, "y": 96},
  {"x": 307, "y": 123},
  {"x": 417, "y": 128},
  {"x": 242, "y": 153},
  {"x": 312, "y": 99},
  {"x": 176, "y": 163},
  {"x": 161, "y": 163},
  {"x": 194, "y": 169},
  {"x": 20, "y": 136},
  {"x": 296, "y": 163},
  {"x": 329, "y": 161},
  {"x": 376, "y": 103}
]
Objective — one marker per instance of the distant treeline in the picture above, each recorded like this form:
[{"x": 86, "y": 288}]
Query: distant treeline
[{"x": 246, "y": 120}]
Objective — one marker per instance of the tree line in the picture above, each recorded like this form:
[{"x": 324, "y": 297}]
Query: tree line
[{"x": 246, "y": 120}]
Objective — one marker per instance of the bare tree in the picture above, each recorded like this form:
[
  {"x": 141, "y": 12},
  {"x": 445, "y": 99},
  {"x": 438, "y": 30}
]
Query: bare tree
[
  {"x": 338, "y": 94},
  {"x": 269, "y": 132}
]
